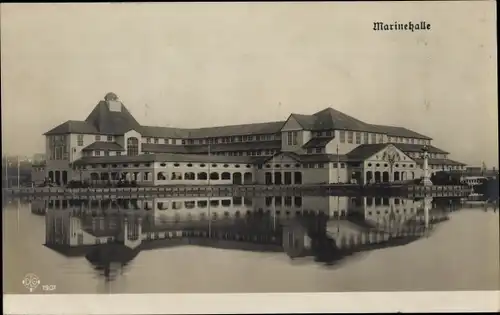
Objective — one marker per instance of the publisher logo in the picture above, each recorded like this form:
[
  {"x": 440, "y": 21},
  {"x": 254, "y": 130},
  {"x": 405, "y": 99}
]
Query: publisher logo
[{"x": 31, "y": 281}]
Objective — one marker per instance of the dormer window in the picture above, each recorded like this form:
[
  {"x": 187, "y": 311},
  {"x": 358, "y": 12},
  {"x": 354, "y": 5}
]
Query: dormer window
[{"x": 97, "y": 138}]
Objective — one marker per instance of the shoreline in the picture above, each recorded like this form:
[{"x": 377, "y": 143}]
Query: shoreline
[{"x": 323, "y": 189}]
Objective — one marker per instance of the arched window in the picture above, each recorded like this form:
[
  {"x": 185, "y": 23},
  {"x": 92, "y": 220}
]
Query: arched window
[
  {"x": 189, "y": 176},
  {"x": 226, "y": 176},
  {"x": 161, "y": 176},
  {"x": 202, "y": 176},
  {"x": 132, "y": 146},
  {"x": 214, "y": 176}
]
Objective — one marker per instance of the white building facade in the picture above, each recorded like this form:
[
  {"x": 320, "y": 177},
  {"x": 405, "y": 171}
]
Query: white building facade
[{"x": 325, "y": 147}]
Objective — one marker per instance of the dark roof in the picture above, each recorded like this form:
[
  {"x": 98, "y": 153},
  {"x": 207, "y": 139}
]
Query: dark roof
[
  {"x": 305, "y": 121},
  {"x": 407, "y": 147},
  {"x": 364, "y": 151},
  {"x": 111, "y": 122},
  {"x": 208, "y": 132},
  {"x": 323, "y": 158},
  {"x": 73, "y": 126},
  {"x": 160, "y": 157},
  {"x": 439, "y": 162},
  {"x": 103, "y": 145},
  {"x": 330, "y": 118},
  {"x": 306, "y": 158},
  {"x": 317, "y": 142},
  {"x": 203, "y": 148},
  {"x": 400, "y": 132},
  {"x": 245, "y": 129},
  {"x": 164, "y": 132},
  {"x": 164, "y": 148}
]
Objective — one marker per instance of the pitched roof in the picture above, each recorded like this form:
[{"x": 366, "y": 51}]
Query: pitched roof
[
  {"x": 103, "y": 145},
  {"x": 439, "y": 162},
  {"x": 110, "y": 122},
  {"x": 73, "y": 126},
  {"x": 323, "y": 158},
  {"x": 160, "y": 157},
  {"x": 203, "y": 148},
  {"x": 165, "y": 148},
  {"x": 233, "y": 130},
  {"x": 364, "y": 151},
  {"x": 330, "y": 118},
  {"x": 164, "y": 132},
  {"x": 306, "y": 158},
  {"x": 317, "y": 142},
  {"x": 407, "y": 147},
  {"x": 306, "y": 121},
  {"x": 400, "y": 132}
]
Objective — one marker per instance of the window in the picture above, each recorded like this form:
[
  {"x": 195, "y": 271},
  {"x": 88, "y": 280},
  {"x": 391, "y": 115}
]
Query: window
[
  {"x": 373, "y": 138},
  {"x": 365, "y": 137},
  {"x": 118, "y": 153},
  {"x": 349, "y": 137},
  {"x": 292, "y": 138},
  {"x": 97, "y": 138},
  {"x": 97, "y": 153},
  {"x": 380, "y": 138},
  {"x": 342, "y": 136},
  {"x": 133, "y": 146},
  {"x": 79, "y": 140},
  {"x": 110, "y": 138},
  {"x": 358, "y": 137},
  {"x": 156, "y": 140},
  {"x": 106, "y": 153},
  {"x": 318, "y": 150}
]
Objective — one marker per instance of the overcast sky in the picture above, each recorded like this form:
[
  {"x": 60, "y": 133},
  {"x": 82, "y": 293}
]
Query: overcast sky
[{"x": 198, "y": 65}]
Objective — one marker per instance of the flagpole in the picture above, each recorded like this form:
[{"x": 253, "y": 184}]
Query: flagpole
[
  {"x": 338, "y": 165},
  {"x": 18, "y": 172},
  {"x": 6, "y": 172},
  {"x": 274, "y": 181}
]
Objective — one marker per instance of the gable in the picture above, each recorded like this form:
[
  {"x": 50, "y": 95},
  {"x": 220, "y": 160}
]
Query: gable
[
  {"x": 291, "y": 124},
  {"x": 283, "y": 157},
  {"x": 390, "y": 152}
]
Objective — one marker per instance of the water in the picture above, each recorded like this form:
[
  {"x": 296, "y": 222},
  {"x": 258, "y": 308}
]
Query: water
[{"x": 259, "y": 244}]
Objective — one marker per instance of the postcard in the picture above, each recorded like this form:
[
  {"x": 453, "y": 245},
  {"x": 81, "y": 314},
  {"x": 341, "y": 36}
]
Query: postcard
[{"x": 249, "y": 157}]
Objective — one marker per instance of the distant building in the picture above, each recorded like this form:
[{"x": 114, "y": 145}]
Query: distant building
[{"x": 325, "y": 147}]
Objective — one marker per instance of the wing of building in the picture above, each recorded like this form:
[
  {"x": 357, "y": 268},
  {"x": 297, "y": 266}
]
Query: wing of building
[{"x": 324, "y": 147}]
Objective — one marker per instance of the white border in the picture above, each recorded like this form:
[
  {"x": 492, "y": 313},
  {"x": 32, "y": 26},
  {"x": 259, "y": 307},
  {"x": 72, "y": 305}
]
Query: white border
[{"x": 55, "y": 304}]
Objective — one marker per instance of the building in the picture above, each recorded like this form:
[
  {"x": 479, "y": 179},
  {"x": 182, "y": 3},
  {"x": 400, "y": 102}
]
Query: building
[{"x": 325, "y": 147}]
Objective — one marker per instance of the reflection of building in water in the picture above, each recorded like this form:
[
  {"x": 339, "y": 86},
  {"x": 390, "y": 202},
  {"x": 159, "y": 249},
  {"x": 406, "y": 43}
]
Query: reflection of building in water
[{"x": 324, "y": 227}]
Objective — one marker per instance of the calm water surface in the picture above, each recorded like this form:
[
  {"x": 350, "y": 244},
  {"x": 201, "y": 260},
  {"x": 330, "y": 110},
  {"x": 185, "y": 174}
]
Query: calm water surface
[{"x": 263, "y": 244}]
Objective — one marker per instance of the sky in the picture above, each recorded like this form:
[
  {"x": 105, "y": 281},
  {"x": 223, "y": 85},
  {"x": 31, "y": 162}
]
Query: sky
[{"x": 209, "y": 64}]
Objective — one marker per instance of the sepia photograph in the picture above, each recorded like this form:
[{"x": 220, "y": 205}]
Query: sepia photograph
[{"x": 249, "y": 157}]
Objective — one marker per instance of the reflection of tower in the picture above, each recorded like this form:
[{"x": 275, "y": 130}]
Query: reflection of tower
[
  {"x": 427, "y": 206},
  {"x": 426, "y": 179},
  {"x": 132, "y": 232}
]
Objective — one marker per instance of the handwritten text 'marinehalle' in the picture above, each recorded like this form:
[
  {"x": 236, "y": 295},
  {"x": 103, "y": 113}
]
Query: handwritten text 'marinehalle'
[{"x": 396, "y": 26}]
